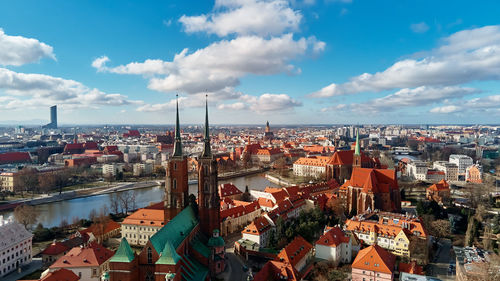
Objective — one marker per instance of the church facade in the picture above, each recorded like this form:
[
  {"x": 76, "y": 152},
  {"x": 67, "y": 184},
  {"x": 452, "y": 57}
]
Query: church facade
[{"x": 188, "y": 246}]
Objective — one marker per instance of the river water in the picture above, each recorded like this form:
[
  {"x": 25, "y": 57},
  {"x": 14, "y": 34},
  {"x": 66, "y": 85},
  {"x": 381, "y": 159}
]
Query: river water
[{"x": 52, "y": 214}]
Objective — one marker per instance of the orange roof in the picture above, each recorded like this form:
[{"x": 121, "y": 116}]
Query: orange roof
[
  {"x": 333, "y": 237},
  {"x": 440, "y": 186},
  {"x": 257, "y": 227},
  {"x": 279, "y": 195},
  {"x": 295, "y": 251},
  {"x": 411, "y": 268},
  {"x": 91, "y": 256},
  {"x": 110, "y": 226},
  {"x": 146, "y": 217},
  {"x": 265, "y": 202},
  {"x": 375, "y": 258},
  {"x": 274, "y": 270},
  {"x": 391, "y": 227},
  {"x": 318, "y": 161},
  {"x": 373, "y": 180},
  {"x": 60, "y": 275}
]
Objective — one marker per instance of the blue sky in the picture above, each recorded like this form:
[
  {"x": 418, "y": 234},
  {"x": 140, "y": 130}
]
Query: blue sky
[{"x": 289, "y": 62}]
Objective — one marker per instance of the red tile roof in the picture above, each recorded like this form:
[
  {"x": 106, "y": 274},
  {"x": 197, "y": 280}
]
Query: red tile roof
[
  {"x": 295, "y": 251},
  {"x": 373, "y": 180},
  {"x": 55, "y": 249},
  {"x": 91, "y": 256},
  {"x": 412, "y": 268},
  {"x": 60, "y": 275},
  {"x": 333, "y": 237},
  {"x": 14, "y": 157},
  {"x": 257, "y": 227},
  {"x": 228, "y": 189},
  {"x": 440, "y": 186},
  {"x": 147, "y": 217},
  {"x": 375, "y": 258}
]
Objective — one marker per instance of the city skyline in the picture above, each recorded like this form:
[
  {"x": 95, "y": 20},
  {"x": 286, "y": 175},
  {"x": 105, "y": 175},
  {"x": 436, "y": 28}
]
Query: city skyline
[{"x": 305, "y": 63}]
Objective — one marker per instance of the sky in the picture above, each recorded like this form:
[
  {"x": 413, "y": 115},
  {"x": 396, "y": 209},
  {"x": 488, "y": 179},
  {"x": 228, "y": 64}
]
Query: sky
[{"x": 289, "y": 62}]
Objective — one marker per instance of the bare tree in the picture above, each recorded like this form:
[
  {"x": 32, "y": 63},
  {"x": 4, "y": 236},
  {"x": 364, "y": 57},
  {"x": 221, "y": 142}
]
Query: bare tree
[
  {"x": 114, "y": 202},
  {"x": 28, "y": 180},
  {"x": 100, "y": 223},
  {"x": 26, "y": 215}
]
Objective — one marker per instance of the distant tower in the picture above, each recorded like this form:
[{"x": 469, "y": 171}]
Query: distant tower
[
  {"x": 176, "y": 181},
  {"x": 53, "y": 116},
  {"x": 208, "y": 195},
  {"x": 268, "y": 135},
  {"x": 356, "y": 161}
]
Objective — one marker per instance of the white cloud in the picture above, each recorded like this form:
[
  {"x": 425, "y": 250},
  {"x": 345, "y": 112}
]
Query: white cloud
[
  {"x": 465, "y": 56},
  {"x": 414, "y": 97},
  {"x": 270, "y": 102},
  {"x": 39, "y": 90},
  {"x": 420, "y": 27},
  {"x": 478, "y": 105},
  {"x": 18, "y": 50},
  {"x": 445, "y": 109},
  {"x": 245, "y": 17},
  {"x": 220, "y": 65},
  {"x": 233, "y": 106}
]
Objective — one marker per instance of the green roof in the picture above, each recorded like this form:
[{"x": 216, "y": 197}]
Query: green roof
[
  {"x": 201, "y": 248},
  {"x": 169, "y": 255},
  {"x": 175, "y": 231},
  {"x": 124, "y": 253},
  {"x": 216, "y": 241}
]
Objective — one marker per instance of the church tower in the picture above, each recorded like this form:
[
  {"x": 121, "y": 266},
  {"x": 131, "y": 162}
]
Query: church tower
[
  {"x": 356, "y": 161},
  {"x": 176, "y": 181},
  {"x": 208, "y": 195}
]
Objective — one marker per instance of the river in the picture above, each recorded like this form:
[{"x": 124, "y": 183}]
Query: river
[{"x": 51, "y": 214}]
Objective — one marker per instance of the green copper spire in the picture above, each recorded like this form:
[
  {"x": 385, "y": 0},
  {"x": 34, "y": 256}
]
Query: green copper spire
[
  {"x": 206, "y": 149},
  {"x": 357, "y": 149},
  {"x": 177, "y": 141}
]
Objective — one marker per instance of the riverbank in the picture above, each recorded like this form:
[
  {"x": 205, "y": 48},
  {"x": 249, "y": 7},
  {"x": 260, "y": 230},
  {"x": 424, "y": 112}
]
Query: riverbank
[{"x": 117, "y": 187}]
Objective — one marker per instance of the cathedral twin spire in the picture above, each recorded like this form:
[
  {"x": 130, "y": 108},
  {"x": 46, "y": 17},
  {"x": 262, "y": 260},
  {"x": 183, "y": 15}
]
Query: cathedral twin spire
[{"x": 206, "y": 138}]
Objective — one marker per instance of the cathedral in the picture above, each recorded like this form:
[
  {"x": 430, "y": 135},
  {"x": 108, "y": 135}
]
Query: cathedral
[
  {"x": 340, "y": 165},
  {"x": 189, "y": 245}
]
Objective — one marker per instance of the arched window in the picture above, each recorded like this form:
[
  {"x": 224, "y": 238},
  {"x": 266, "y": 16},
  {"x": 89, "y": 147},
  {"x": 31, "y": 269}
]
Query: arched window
[
  {"x": 175, "y": 166},
  {"x": 206, "y": 186},
  {"x": 174, "y": 184},
  {"x": 150, "y": 258},
  {"x": 150, "y": 277},
  {"x": 205, "y": 170}
]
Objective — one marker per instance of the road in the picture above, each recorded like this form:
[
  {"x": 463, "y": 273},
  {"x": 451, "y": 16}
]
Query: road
[
  {"x": 35, "y": 265},
  {"x": 234, "y": 266},
  {"x": 439, "y": 266}
]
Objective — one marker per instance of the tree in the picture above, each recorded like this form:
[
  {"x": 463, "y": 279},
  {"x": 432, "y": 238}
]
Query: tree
[
  {"x": 46, "y": 182},
  {"x": 61, "y": 179},
  {"x": 160, "y": 171},
  {"x": 28, "y": 180},
  {"x": 114, "y": 203},
  {"x": 26, "y": 215},
  {"x": 100, "y": 223},
  {"x": 336, "y": 206},
  {"x": 440, "y": 228},
  {"x": 194, "y": 205}
]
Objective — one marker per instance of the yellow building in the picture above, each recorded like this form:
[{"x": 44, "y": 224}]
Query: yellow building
[{"x": 390, "y": 231}]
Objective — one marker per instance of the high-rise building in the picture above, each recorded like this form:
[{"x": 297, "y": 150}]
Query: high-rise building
[{"x": 53, "y": 118}]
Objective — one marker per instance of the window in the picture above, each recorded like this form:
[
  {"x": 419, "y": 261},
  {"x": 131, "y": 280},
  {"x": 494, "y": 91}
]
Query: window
[
  {"x": 206, "y": 186},
  {"x": 205, "y": 170},
  {"x": 94, "y": 272},
  {"x": 150, "y": 257},
  {"x": 149, "y": 276},
  {"x": 174, "y": 184},
  {"x": 175, "y": 166}
]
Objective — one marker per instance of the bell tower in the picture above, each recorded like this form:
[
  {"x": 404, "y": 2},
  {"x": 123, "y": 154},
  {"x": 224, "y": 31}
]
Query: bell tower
[
  {"x": 208, "y": 195},
  {"x": 176, "y": 181}
]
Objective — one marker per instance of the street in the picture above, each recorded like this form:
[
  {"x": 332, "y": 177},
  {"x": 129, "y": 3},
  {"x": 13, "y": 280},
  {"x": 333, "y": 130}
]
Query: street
[{"x": 439, "y": 266}]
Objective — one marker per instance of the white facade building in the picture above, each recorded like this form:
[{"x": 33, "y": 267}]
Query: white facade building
[
  {"x": 15, "y": 246},
  {"x": 462, "y": 161},
  {"x": 111, "y": 169},
  {"x": 450, "y": 170},
  {"x": 417, "y": 170}
]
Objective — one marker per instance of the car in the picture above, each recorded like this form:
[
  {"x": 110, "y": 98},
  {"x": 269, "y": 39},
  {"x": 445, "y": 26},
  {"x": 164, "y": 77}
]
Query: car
[{"x": 245, "y": 268}]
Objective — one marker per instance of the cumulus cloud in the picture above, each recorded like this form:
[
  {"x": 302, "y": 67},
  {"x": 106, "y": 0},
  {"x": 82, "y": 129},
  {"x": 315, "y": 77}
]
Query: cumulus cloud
[
  {"x": 481, "y": 105},
  {"x": 39, "y": 90},
  {"x": 420, "y": 27},
  {"x": 245, "y": 17},
  {"x": 220, "y": 65},
  {"x": 415, "y": 97},
  {"x": 465, "y": 56},
  {"x": 270, "y": 102},
  {"x": 18, "y": 50},
  {"x": 232, "y": 106}
]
